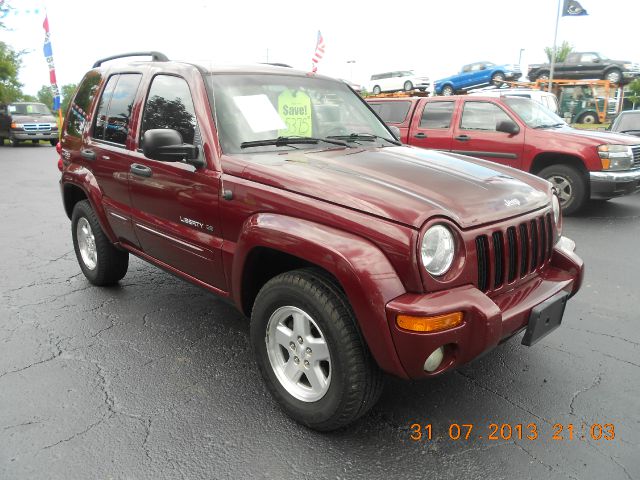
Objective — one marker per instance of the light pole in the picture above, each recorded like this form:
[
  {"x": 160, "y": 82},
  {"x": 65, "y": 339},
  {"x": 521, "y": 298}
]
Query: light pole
[{"x": 351, "y": 62}]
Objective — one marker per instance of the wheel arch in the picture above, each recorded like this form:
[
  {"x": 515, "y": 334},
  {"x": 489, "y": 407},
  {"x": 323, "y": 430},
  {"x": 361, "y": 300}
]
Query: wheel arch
[
  {"x": 546, "y": 159},
  {"x": 271, "y": 244}
]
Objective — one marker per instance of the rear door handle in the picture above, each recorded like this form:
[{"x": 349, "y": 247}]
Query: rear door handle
[
  {"x": 420, "y": 135},
  {"x": 140, "y": 170},
  {"x": 463, "y": 138},
  {"x": 88, "y": 154}
]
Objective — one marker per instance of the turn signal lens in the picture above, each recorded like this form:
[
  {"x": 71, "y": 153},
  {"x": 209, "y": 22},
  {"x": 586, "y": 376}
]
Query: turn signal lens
[
  {"x": 606, "y": 163},
  {"x": 430, "y": 324}
]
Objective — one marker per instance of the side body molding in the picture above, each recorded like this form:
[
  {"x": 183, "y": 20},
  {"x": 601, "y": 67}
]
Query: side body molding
[{"x": 364, "y": 272}]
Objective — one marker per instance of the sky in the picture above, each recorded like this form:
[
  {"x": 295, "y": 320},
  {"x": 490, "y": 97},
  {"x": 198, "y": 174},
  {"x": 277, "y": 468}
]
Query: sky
[{"x": 432, "y": 38}]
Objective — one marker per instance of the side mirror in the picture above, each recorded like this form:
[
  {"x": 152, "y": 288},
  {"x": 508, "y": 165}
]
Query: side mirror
[
  {"x": 396, "y": 131},
  {"x": 483, "y": 67},
  {"x": 166, "y": 145},
  {"x": 596, "y": 60},
  {"x": 507, "y": 126}
]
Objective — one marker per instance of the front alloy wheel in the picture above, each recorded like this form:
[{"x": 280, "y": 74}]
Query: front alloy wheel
[
  {"x": 570, "y": 185},
  {"x": 310, "y": 351},
  {"x": 298, "y": 354}
]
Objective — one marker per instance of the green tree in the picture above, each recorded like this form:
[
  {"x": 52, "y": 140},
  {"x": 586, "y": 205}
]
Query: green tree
[
  {"x": 561, "y": 51},
  {"x": 67, "y": 92},
  {"x": 45, "y": 95},
  {"x": 634, "y": 92},
  {"x": 9, "y": 67}
]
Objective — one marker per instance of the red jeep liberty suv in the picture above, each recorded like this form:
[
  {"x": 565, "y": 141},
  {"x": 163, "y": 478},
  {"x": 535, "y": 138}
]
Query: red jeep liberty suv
[{"x": 352, "y": 254}]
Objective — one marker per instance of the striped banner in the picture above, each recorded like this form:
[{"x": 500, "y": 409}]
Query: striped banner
[{"x": 48, "y": 54}]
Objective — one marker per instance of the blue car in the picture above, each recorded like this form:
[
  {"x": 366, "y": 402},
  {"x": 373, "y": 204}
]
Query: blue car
[{"x": 476, "y": 75}]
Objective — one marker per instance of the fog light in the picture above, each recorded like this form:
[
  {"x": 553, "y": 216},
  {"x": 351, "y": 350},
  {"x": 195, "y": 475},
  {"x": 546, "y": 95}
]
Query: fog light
[{"x": 434, "y": 360}]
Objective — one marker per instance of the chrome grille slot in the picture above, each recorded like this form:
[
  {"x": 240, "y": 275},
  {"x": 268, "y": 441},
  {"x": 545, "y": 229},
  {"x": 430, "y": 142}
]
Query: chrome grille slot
[
  {"x": 534, "y": 244},
  {"x": 524, "y": 249},
  {"x": 37, "y": 127},
  {"x": 498, "y": 259},
  {"x": 513, "y": 253},
  {"x": 636, "y": 156}
]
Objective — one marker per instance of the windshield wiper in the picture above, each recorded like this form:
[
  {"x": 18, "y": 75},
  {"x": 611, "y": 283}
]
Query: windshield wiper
[
  {"x": 551, "y": 125},
  {"x": 632, "y": 130},
  {"x": 366, "y": 137},
  {"x": 283, "y": 141}
]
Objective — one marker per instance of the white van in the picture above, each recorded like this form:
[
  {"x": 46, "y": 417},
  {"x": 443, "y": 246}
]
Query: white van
[
  {"x": 397, "y": 80},
  {"x": 547, "y": 99}
]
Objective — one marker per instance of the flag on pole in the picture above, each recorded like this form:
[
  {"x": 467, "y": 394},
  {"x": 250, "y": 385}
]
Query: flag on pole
[
  {"x": 319, "y": 53},
  {"x": 572, "y": 8},
  {"x": 48, "y": 54}
]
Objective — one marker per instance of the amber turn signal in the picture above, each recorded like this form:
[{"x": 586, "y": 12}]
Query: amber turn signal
[{"x": 430, "y": 324}]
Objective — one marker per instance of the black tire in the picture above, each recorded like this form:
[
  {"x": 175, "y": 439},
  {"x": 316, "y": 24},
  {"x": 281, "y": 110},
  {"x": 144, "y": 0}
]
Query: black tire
[
  {"x": 35, "y": 142},
  {"x": 614, "y": 76},
  {"x": 447, "y": 91},
  {"x": 589, "y": 118},
  {"x": 14, "y": 142},
  {"x": 408, "y": 86},
  {"x": 571, "y": 185},
  {"x": 497, "y": 79},
  {"x": 53, "y": 142},
  {"x": 377, "y": 90},
  {"x": 111, "y": 264},
  {"x": 355, "y": 379},
  {"x": 542, "y": 76}
]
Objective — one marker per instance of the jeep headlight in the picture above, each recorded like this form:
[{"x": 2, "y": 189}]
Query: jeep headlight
[
  {"x": 557, "y": 215},
  {"x": 437, "y": 250},
  {"x": 615, "y": 157}
]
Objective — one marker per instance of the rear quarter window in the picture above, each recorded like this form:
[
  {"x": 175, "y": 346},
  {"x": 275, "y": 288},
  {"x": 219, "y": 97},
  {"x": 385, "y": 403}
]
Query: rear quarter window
[{"x": 78, "y": 113}]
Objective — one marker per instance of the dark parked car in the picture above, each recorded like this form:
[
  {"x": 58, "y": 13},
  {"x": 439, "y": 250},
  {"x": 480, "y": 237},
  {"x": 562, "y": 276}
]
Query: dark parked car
[
  {"x": 352, "y": 254},
  {"x": 627, "y": 122},
  {"x": 584, "y": 65},
  {"x": 20, "y": 121}
]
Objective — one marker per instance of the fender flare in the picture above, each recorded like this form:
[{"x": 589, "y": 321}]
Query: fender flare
[
  {"x": 363, "y": 271},
  {"x": 84, "y": 179}
]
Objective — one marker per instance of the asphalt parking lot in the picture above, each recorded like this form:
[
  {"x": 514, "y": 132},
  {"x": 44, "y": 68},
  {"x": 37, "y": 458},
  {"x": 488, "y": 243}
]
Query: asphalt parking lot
[{"x": 154, "y": 378}]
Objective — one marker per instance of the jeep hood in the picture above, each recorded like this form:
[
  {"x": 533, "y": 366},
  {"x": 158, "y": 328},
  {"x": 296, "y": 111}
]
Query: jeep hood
[{"x": 402, "y": 184}]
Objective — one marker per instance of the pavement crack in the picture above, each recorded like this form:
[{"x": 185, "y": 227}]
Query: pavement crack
[
  {"x": 546, "y": 465},
  {"x": 605, "y": 335},
  {"x": 487, "y": 389},
  {"x": 596, "y": 381},
  {"x": 75, "y": 435}
]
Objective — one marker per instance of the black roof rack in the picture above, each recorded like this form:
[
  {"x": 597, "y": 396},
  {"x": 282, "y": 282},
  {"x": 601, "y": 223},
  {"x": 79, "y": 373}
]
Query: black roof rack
[{"x": 155, "y": 57}]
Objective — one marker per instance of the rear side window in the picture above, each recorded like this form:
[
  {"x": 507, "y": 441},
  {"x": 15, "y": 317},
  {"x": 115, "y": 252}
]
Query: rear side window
[
  {"x": 482, "y": 116},
  {"x": 169, "y": 105},
  {"x": 437, "y": 115},
  {"x": 392, "y": 112},
  {"x": 78, "y": 114},
  {"x": 114, "y": 110}
]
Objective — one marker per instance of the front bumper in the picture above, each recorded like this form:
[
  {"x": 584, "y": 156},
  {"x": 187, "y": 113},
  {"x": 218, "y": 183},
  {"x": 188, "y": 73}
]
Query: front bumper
[
  {"x": 631, "y": 74},
  {"x": 487, "y": 321},
  {"x": 614, "y": 184},
  {"x": 24, "y": 135}
]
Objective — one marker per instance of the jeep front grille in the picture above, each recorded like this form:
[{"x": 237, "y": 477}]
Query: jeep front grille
[{"x": 513, "y": 252}]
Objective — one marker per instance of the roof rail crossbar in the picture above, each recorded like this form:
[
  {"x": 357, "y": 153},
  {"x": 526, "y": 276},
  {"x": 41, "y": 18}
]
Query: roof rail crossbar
[{"x": 155, "y": 57}]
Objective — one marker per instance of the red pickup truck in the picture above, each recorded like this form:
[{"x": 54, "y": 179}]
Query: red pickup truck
[{"x": 523, "y": 134}]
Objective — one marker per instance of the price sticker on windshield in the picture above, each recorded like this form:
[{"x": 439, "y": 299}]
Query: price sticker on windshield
[{"x": 295, "y": 110}]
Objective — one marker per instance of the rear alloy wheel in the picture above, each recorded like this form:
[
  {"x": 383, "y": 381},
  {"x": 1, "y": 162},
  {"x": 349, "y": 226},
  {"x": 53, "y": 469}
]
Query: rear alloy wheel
[
  {"x": 408, "y": 86},
  {"x": 614, "y": 76},
  {"x": 310, "y": 352},
  {"x": 497, "y": 79},
  {"x": 99, "y": 260},
  {"x": 447, "y": 90},
  {"x": 570, "y": 185},
  {"x": 376, "y": 90}
]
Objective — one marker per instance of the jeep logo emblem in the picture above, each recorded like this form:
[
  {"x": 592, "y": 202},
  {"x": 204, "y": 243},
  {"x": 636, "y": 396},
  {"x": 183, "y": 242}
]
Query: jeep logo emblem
[{"x": 514, "y": 202}]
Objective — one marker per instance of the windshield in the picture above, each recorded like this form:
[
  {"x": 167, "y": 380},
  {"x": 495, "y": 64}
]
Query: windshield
[
  {"x": 254, "y": 108},
  {"x": 29, "y": 109},
  {"x": 628, "y": 122},
  {"x": 532, "y": 113}
]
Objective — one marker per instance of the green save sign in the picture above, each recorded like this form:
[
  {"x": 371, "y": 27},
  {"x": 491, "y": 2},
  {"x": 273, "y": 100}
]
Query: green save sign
[{"x": 295, "y": 110}]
